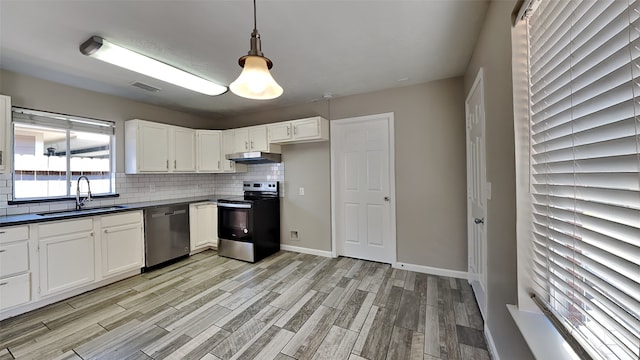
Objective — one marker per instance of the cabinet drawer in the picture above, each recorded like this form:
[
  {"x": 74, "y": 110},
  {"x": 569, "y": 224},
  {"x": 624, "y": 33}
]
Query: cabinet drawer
[
  {"x": 15, "y": 290},
  {"x": 14, "y": 258},
  {"x": 9, "y": 234},
  {"x": 65, "y": 227},
  {"x": 129, "y": 217}
]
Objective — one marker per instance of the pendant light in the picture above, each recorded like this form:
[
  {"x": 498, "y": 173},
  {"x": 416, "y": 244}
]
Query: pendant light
[{"x": 255, "y": 81}]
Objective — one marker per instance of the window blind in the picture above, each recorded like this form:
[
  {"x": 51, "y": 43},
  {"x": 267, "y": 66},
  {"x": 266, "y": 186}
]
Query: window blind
[
  {"x": 584, "y": 59},
  {"x": 59, "y": 121}
]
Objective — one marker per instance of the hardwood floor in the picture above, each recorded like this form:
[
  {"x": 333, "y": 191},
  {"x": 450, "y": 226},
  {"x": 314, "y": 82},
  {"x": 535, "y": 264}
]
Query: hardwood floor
[{"x": 288, "y": 306}]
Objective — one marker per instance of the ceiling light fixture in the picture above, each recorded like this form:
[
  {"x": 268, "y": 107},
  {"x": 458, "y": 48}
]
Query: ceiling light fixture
[
  {"x": 104, "y": 50},
  {"x": 255, "y": 80}
]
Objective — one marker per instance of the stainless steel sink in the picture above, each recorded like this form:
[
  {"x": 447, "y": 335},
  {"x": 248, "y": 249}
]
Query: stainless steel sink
[{"x": 83, "y": 211}]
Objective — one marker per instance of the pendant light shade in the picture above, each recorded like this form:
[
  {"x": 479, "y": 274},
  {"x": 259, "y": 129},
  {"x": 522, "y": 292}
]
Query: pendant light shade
[{"x": 255, "y": 80}]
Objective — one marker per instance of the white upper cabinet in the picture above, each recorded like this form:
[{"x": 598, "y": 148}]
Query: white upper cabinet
[
  {"x": 5, "y": 122},
  {"x": 253, "y": 138},
  {"x": 298, "y": 131},
  {"x": 228, "y": 147},
  {"x": 158, "y": 148},
  {"x": 279, "y": 132},
  {"x": 183, "y": 143},
  {"x": 209, "y": 150}
]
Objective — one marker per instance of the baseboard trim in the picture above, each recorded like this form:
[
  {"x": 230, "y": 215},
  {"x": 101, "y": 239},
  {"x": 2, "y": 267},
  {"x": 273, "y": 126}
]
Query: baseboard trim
[
  {"x": 304, "y": 250},
  {"x": 433, "y": 270},
  {"x": 493, "y": 352}
]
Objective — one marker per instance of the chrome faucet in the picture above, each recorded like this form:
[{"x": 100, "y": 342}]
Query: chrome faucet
[{"x": 80, "y": 204}]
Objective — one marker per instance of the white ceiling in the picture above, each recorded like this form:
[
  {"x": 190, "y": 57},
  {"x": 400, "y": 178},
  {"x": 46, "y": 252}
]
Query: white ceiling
[{"x": 317, "y": 46}]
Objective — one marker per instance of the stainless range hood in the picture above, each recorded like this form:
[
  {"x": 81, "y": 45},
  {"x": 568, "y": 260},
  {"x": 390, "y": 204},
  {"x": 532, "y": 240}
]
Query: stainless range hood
[{"x": 255, "y": 157}]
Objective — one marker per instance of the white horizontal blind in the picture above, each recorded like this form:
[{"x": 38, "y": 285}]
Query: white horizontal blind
[
  {"x": 585, "y": 158},
  {"x": 59, "y": 121}
]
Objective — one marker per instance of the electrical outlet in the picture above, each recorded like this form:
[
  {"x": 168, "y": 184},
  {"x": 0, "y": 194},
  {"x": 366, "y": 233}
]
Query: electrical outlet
[
  {"x": 301, "y": 191},
  {"x": 294, "y": 235}
]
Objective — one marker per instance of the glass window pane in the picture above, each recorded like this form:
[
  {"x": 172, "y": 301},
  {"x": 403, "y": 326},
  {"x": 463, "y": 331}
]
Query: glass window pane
[
  {"x": 40, "y": 162},
  {"x": 90, "y": 155}
]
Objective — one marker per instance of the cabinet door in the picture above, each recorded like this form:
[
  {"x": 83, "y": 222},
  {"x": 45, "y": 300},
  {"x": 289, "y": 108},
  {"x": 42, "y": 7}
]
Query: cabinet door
[
  {"x": 241, "y": 140},
  {"x": 306, "y": 129},
  {"x": 228, "y": 147},
  {"x": 203, "y": 220},
  {"x": 15, "y": 290},
  {"x": 152, "y": 148},
  {"x": 122, "y": 249},
  {"x": 5, "y": 122},
  {"x": 279, "y": 132},
  {"x": 184, "y": 150},
  {"x": 66, "y": 262},
  {"x": 258, "y": 138},
  {"x": 209, "y": 150}
]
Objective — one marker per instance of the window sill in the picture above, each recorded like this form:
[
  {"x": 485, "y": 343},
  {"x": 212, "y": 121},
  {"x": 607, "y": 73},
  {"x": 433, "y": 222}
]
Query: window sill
[
  {"x": 543, "y": 339},
  {"x": 70, "y": 198}
]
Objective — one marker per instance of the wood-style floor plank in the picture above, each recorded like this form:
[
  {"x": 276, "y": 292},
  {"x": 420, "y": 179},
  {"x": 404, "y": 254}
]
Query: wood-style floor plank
[{"x": 288, "y": 306}]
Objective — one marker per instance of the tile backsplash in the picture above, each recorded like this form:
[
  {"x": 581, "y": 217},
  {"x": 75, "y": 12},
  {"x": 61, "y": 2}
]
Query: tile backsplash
[{"x": 152, "y": 187}]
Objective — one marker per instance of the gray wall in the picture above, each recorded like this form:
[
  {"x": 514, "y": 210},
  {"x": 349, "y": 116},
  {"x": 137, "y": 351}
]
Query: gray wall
[
  {"x": 493, "y": 53},
  {"x": 430, "y": 157},
  {"x": 32, "y": 93},
  {"x": 430, "y": 170}
]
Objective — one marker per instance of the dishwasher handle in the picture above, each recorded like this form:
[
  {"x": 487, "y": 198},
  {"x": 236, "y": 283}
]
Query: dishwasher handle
[{"x": 161, "y": 214}]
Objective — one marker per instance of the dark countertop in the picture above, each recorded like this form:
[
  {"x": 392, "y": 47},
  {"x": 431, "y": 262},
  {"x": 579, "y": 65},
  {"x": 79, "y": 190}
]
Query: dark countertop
[{"x": 11, "y": 220}]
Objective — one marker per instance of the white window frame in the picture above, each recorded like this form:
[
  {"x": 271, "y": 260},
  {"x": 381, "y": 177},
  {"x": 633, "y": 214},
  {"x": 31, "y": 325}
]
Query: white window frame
[{"x": 67, "y": 123}]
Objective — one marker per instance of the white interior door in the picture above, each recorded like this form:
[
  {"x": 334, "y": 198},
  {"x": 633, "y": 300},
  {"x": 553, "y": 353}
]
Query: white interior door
[
  {"x": 363, "y": 190},
  {"x": 476, "y": 192}
]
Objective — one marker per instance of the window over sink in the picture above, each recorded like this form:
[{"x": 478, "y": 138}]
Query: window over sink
[{"x": 51, "y": 151}]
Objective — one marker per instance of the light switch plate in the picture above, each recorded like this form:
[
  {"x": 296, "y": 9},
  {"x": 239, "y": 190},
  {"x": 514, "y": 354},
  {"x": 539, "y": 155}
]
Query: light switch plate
[{"x": 301, "y": 191}]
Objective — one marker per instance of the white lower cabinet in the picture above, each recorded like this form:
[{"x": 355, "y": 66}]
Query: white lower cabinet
[
  {"x": 121, "y": 243},
  {"x": 67, "y": 253},
  {"x": 15, "y": 290},
  {"x": 15, "y": 275},
  {"x": 203, "y": 226}
]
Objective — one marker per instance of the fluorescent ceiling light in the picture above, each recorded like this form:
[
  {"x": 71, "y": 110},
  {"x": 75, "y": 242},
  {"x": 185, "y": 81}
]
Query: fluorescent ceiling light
[{"x": 104, "y": 50}]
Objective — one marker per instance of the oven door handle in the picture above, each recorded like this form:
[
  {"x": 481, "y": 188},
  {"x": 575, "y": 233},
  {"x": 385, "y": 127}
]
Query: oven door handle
[{"x": 235, "y": 206}]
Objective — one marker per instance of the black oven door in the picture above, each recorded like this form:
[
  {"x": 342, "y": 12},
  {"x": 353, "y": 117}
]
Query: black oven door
[{"x": 235, "y": 220}]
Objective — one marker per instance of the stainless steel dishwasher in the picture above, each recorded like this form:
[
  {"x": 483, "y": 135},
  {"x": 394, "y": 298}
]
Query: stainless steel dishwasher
[{"x": 166, "y": 233}]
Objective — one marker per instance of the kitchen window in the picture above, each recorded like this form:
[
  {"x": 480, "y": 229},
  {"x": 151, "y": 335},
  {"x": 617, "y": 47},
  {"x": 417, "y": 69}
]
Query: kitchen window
[
  {"x": 51, "y": 151},
  {"x": 584, "y": 69}
]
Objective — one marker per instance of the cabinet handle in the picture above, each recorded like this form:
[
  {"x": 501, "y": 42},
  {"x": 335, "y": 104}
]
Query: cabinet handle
[
  {"x": 167, "y": 164},
  {"x": 246, "y": 145},
  {"x": 175, "y": 164},
  {"x": 106, "y": 231},
  {"x": 295, "y": 129},
  {"x": 251, "y": 144},
  {"x": 3, "y": 283},
  {"x": 288, "y": 131},
  {"x": 1, "y": 153},
  {"x": 2, "y": 232},
  {"x": 218, "y": 164},
  {"x": 91, "y": 234},
  {"x": 3, "y": 250}
]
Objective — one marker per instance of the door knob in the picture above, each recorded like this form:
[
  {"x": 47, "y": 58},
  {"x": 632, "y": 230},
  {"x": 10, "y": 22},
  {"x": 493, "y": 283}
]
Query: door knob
[
  {"x": 386, "y": 198},
  {"x": 478, "y": 221}
]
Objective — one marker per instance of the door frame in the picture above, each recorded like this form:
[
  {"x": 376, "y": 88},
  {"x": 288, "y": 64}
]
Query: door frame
[
  {"x": 392, "y": 180},
  {"x": 481, "y": 280}
]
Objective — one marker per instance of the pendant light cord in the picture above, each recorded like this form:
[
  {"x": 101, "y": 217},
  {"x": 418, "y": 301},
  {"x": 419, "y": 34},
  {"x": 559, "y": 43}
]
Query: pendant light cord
[{"x": 255, "y": 22}]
